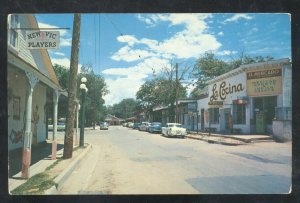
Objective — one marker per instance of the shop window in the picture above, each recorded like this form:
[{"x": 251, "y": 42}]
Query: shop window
[
  {"x": 13, "y": 34},
  {"x": 214, "y": 115},
  {"x": 239, "y": 113}
]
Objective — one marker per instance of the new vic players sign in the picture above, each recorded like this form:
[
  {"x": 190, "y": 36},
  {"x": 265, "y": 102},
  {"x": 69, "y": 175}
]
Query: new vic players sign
[{"x": 42, "y": 39}]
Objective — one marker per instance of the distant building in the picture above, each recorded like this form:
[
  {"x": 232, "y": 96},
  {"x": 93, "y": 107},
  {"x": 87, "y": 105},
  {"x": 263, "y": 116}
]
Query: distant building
[{"x": 113, "y": 120}]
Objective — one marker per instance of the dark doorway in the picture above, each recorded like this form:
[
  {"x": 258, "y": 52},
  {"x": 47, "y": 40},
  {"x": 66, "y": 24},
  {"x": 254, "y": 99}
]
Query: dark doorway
[
  {"x": 264, "y": 108},
  {"x": 202, "y": 119}
]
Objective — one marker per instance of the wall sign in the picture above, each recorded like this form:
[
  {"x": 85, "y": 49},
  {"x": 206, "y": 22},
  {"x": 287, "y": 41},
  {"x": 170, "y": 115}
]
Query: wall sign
[
  {"x": 215, "y": 104},
  {"x": 265, "y": 82},
  {"x": 223, "y": 90},
  {"x": 42, "y": 39}
]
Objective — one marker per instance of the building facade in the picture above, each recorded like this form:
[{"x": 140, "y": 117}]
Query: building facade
[
  {"x": 254, "y": 98},
  {"x": 30, "y": 77}
]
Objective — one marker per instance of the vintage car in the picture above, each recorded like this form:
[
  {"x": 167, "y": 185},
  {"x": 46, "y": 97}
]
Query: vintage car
[
  {"x": 155, "y": 127},
  {"x": 103, "y": 126},
  {"x": 136, "y": 125},
  {"x": 61, "y": 126},
  {"x": 173, "y": 130},
  {"x": 130, "y": 125},
  {"x": 144, "y": 126}
]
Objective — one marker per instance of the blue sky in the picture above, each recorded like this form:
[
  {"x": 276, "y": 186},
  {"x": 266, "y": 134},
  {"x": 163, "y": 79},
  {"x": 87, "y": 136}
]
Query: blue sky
[{"x": 126, "y": 48}]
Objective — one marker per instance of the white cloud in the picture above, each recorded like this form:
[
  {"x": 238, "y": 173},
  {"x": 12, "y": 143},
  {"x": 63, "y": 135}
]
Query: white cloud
[
  {"x": 192, "y": 41},
  {"x": 131, "y": 78},
  {"x": 221, "y": 33},
  {"x": 59, "y": 53},
  {"x": 129, "y": 39},
  {"x": 121, "y": 88},
  {"x": 148, "y": 21},
  {"x": 141, "y": 70},
  {"x": 65, "y": 42},
  {"x": 65, "y": 62},
  {"x": 63, "y": 34},
  {"x": 61, "y": 61},
  {"x": 127, "y": 54},
  {"x": 237, "y": 17},
  {"x": 254, "y": 29},
  {"x": 225, "y": 52},
  {"x": 189, "y": 42}
]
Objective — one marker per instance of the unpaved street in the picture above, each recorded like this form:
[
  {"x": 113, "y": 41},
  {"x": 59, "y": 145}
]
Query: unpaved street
[{"x": 126, "y": 161}]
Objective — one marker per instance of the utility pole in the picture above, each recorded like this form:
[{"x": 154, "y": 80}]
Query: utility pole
[
  {"x": 68, "y": 142},
  {"x": 177, "y": 86}
]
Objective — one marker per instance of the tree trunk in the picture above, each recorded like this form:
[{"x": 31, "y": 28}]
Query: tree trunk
[{"x": 68, "y": 143}]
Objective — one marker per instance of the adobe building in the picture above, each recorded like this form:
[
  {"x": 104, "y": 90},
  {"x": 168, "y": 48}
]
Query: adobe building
[{"x": 252, "y": 99}]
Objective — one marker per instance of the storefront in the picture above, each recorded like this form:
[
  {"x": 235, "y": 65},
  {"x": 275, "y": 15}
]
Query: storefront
[{"x": 249, "y": 99}]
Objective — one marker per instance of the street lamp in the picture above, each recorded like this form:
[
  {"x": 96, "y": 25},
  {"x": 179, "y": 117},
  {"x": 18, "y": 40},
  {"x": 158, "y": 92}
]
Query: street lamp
[{"x": 83, "y": 89}]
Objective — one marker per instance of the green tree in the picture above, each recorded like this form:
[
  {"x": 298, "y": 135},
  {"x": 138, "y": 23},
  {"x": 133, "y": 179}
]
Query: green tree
[
  {"x": 62, "y": 74},
  {"x": 124, "y": 109},
  {"x": 97, "y": 88},
  {"x": 159, "y": 91}
]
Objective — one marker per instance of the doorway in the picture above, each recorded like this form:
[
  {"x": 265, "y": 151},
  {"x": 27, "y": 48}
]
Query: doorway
[
  {"x": 224, "y": 117},
  {"x": 264, "y": 113},
  {"x": 202, "y": 119}
]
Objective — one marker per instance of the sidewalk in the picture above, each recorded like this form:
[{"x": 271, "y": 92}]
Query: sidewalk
[
  {"x": 229, "y": 139},
  {"x": 41, "y": 157}
]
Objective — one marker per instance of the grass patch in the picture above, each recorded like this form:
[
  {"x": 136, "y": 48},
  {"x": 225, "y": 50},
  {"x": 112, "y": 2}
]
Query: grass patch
[
  {"x": 54, "y": 164},
  {"x": 36, "y": 185}
]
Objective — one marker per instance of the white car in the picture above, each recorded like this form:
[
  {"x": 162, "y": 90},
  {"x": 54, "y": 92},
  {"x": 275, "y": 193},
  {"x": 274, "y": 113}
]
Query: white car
[
  {"x": 144, "y": 126},
  {"x": 130, "y": 125},
  {"x": 173, "y": 130},
  {"x": 60, "y": 126}
]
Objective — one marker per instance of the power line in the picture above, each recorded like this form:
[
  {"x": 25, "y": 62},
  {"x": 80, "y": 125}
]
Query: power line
[{"x": 121, "y": 34}]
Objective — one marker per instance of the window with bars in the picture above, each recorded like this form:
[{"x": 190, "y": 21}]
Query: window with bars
[
  {"x": 239, "y": 113},
  {"x": 13, "y": 36},
  {"x": 214, "y": 115}
]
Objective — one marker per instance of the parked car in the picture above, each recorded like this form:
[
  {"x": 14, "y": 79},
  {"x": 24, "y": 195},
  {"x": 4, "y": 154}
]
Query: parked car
[
  {"x": 130, "y": 125},
  {"x": 103, "y": 126},
  {"x": 144, "y": 126},
  {"x": 61, "y": 126},
  {"x": 155, "y": 127},
  {"x": 124, "y": 124},
  {"x": 136, "y": 125},
  {"x": 174, "y": 130}
]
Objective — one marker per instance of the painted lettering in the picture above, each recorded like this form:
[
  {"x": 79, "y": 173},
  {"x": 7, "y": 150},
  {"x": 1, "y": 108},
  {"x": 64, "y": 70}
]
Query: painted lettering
[{"x": 224, "y": 90}]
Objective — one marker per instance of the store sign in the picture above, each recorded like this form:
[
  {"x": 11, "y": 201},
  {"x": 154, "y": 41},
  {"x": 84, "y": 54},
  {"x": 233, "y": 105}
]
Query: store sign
[
  {"x": 265, "y": 82},
  {"x": 220, "y": 92},
  {"x": 42, "y": 39},
  {"x": 215, "y": 104}
]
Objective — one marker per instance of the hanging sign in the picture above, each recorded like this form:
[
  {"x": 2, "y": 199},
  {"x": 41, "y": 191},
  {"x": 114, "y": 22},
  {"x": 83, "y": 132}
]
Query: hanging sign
[
  {"x": 42, "y": 39},
  {"x": 264, "y": 82}
]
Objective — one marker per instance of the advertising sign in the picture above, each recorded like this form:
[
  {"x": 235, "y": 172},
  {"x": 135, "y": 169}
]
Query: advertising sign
[
  {"x": 264, "y": 82},
  {"x": 42, "y": 39}
]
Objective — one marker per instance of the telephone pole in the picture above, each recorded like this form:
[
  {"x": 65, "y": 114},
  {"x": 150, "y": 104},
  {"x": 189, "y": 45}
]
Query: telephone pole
[
  {"x": 177, "y": 86},
  {"x": 68, "y": 142}
]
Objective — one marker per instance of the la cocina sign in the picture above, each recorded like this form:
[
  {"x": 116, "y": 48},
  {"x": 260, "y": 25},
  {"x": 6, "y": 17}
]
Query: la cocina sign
[{"x": 224, "y": 89}]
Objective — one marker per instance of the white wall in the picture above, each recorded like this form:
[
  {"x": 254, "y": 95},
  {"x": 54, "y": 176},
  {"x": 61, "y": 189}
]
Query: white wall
[
  {"x": 234, "y": 80},
  {"x": 18, "y": 86}
]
